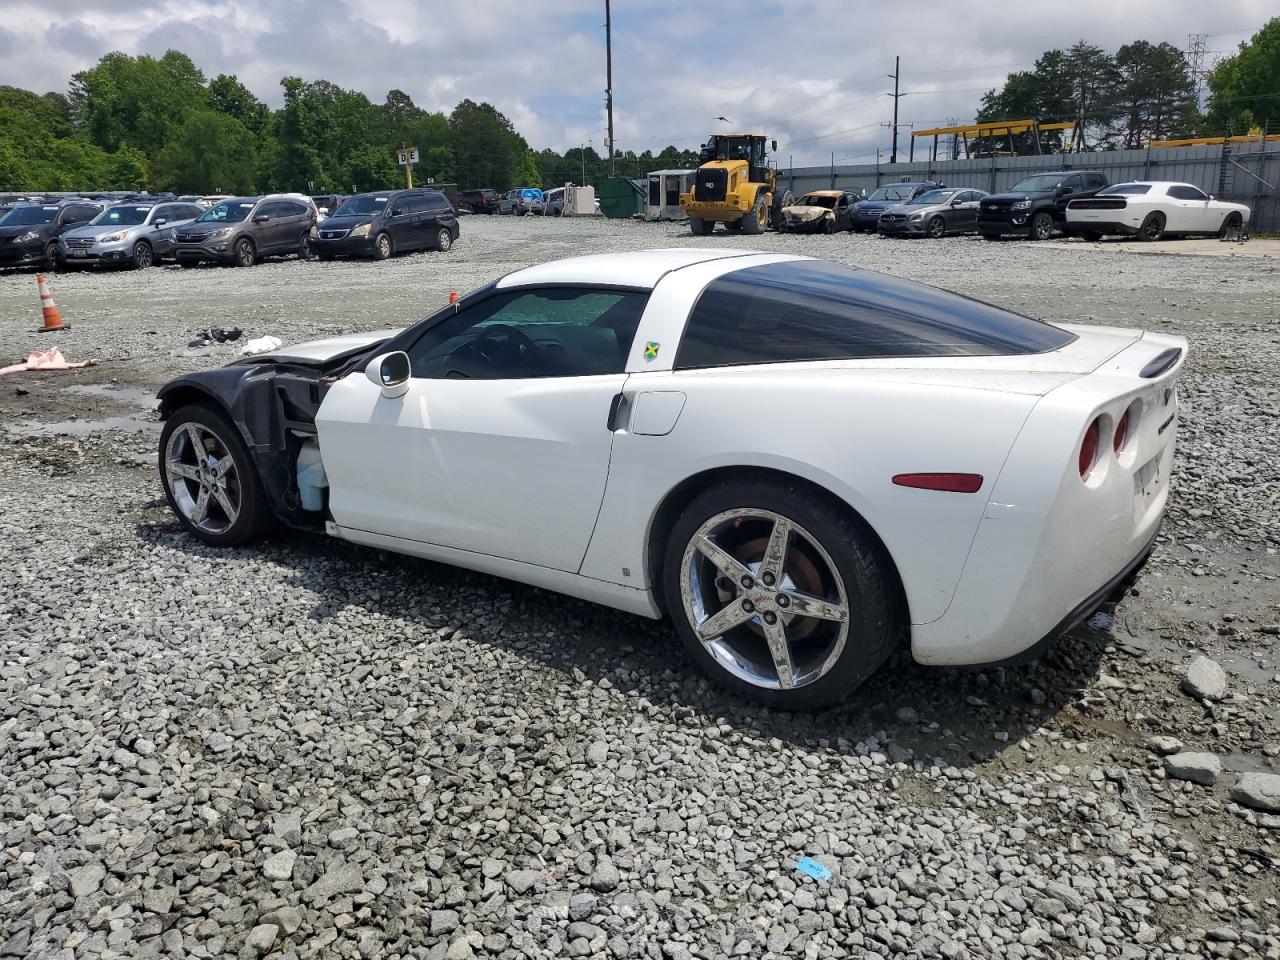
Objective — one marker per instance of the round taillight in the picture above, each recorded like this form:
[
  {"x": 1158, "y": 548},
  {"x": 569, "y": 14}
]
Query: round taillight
[
  {"x": 1089, "y": 448},
  {"x": 1121, "y": 434}
]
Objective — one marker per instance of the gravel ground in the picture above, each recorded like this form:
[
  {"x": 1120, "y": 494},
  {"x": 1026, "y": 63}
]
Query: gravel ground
[{"x": 309, "y": 749}]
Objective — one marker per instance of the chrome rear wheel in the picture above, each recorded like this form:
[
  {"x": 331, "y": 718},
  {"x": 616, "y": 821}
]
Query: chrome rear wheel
[{"x": 203, "y": 478}]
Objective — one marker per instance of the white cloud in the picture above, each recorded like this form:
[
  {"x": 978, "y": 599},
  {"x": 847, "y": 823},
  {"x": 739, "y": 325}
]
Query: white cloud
[{"x": 810, "y": 73}]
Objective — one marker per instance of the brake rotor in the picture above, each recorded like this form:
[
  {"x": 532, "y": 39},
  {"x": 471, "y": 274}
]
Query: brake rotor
[{"x": 799, "y": 569}]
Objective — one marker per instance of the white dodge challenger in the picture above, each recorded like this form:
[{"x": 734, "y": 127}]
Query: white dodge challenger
[
  {"x": 1154, "y": 209},
  {"x": 802, "y": 463}
]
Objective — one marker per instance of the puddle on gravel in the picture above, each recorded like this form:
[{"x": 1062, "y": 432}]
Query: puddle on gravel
[
  {"x": 80, "y": 428},
  {"x": 130, "y": 395}
]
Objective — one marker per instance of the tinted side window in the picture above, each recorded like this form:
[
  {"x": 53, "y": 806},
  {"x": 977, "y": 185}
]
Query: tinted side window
[
  {"x": 548, "y": 332},
  {"x": 811, "y": 310},
  {"x": 414, "y": 204},
  {"x": 1096, "y": 181},
  {"x": 438, "y": 202},
  {"x": 1184, "y": 191},
  {"x": 271, "y": 210}
]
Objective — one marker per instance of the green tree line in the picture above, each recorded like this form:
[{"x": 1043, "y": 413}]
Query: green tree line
[
  {"x": 1141, "y": 92},
  {"x": 135, "y": 123}
]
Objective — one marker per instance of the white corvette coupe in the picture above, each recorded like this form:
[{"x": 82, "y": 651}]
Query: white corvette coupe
[
  {"x": 802, "y": 463},
  {"x": 1152, "y": 210}
]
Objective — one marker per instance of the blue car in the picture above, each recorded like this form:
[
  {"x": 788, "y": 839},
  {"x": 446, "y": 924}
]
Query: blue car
[
  {"x": 522, "y": 200},
  {"x": 866, "y": 213}
]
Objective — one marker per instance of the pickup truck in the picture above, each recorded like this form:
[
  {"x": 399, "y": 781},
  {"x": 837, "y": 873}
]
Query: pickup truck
[{"x": 1036, "y": 206}]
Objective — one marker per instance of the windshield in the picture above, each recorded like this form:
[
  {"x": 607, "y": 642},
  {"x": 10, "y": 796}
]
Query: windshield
[
  {"x": 813, "y": 200},
  {"x": 370, "y": 206},
  {"x": 26, "y": 216},
  {"x": 934, "y": 196},
  {"x": 898, "y": 192},
  {"x": 125, "y": 215},
  {"x": 1128, "y": 188},
  {"x": 1040, "y": 183},
  {"x": 229, "y": 211}
]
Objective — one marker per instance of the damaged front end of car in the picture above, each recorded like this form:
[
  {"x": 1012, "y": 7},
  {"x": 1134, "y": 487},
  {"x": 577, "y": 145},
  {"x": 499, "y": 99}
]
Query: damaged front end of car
[{"x": 272, "y": 401}]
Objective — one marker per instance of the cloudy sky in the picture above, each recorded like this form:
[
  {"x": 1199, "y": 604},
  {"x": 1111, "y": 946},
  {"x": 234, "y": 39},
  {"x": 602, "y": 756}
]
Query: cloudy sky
[{"x": 809, "y": 72}]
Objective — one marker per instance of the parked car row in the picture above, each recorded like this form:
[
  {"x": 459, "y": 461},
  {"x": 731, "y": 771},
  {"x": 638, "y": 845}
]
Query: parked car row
[
  {"x": 74, "y": 232},
  {"x": 1070, "y": 202}
]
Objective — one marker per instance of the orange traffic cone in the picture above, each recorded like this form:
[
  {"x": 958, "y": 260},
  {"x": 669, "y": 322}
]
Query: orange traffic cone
[
  {"x": 52, "y": 318},
  {"x": 453, "y": 296}
]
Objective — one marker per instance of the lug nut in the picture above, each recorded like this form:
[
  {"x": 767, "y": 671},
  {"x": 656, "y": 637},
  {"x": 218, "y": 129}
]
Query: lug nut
[
  {"x": 768, "y": 579},
  {"x": 747, "y": 582},
  {"x": 783, "y": 600},
  {"x": 748, "y": 606},
  {"x": 771, "y": 618}
]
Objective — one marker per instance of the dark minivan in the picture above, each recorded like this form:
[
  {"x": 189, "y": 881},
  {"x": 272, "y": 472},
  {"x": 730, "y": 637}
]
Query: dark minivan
[{"x": 389, "y": 221}]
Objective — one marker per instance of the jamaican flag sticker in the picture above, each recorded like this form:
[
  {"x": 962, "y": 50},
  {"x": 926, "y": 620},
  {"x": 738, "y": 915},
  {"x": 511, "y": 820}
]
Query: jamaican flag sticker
[{"x": 651, "y": 350}]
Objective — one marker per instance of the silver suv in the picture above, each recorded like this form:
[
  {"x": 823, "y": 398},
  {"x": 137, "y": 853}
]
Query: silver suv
[
  {"x": 243, "y": 230},
  {"x": 127, "y": 235}
]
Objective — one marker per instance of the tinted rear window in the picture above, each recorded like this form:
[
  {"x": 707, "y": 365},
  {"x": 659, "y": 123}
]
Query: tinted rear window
[{"x": 815, "y": 310}]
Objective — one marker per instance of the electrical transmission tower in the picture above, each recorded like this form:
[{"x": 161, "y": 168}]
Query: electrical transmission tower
[{"x": 1195, "y": 62}]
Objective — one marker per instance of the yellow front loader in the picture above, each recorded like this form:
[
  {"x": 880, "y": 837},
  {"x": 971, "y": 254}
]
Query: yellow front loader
[{"x": 735, "y": 186}]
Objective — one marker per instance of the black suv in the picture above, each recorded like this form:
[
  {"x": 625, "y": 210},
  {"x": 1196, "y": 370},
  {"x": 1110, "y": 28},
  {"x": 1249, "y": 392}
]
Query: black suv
[
  {"x": 390, "y": 221},
  {"x": 29, "y": 232},
  {"x": 481, "y": 201},
  {"x": 1036, "y": 205}
]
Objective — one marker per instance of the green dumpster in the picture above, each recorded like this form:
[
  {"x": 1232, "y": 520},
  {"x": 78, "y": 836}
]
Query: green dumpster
[{"x": 621, "y": 198}]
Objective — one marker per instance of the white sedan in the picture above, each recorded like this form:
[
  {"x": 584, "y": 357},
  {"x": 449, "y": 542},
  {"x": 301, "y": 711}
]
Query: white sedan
[
  {"x": 802, "y": 463},
  {"x": 1154, "y": 209}
]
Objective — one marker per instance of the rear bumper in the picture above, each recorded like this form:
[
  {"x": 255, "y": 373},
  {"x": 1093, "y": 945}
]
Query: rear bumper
[
  {"x": 1110, "y": 592},
  {"x": 1051, "y": 545}
]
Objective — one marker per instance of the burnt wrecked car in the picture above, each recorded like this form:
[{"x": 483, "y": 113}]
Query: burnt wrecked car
[{"x": 818, "y": 211}]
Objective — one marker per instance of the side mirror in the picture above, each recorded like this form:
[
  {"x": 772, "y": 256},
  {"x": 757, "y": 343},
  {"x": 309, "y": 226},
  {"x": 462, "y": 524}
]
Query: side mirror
[
  {"x": 397, "y": 211},
  {"x": 1211, "y": 197},
  {"x": 159, "y": 222},
  {"x": 1062, "y": 191},
  {"x": 773, "y": 145},
  {"x": 390, "y": 373},
  {"x": 261, "y": 218}
]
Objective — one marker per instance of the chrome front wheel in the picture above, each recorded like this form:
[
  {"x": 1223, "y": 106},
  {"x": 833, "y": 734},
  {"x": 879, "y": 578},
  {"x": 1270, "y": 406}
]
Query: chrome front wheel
[{"x": 203, "y": 478}]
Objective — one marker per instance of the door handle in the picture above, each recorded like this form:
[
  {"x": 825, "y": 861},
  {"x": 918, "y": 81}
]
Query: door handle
[{"x": 615, "y": 411}]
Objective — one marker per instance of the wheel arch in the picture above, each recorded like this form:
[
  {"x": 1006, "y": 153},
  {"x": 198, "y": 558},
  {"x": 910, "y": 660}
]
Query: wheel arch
[{"x": 682, "y": 494}]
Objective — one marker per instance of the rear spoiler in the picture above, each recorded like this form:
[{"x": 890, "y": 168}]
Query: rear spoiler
[{"x": 1161, "y": 362}]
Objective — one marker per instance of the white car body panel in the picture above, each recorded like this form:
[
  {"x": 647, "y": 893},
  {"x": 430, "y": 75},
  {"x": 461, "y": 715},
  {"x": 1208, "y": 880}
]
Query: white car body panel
[
  {"x": 524, "y": 478},
  {"x": 1182, "y": 216},
  {"x": 330, "y": 347}
]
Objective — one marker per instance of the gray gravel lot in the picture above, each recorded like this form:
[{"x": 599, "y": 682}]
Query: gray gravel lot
[{"x": 308, "y": 749}]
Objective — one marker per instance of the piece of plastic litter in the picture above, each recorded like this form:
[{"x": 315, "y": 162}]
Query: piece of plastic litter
[
  {"x": 50, "y": 359},
  {"x": 261, "y": 345},
  {"x": 813, "y": 868}
]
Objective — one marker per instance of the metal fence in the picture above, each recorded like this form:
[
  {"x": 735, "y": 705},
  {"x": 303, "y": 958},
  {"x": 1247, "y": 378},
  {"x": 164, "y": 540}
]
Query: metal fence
[{"x": 1241, "y": 172}]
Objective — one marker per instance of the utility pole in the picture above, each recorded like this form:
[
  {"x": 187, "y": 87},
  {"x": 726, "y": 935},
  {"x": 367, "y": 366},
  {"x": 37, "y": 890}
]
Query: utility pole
[
  {"x": 893, "y": 156},
  {"x": 608, "y": 93}
]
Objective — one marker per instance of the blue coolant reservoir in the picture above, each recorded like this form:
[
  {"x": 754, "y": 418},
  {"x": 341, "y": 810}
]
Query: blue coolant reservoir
[{"x": 312, "y": 481}]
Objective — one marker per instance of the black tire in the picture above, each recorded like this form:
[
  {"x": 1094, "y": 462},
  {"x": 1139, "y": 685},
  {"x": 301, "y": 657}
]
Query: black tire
[
  {"x": 383, "y": 247},
  {"x": 254, "y": 518},
  {"x": 444, "y": 239},
  {"x": 304, "y": 247},
  {"x": 1041, "y": 226},
  {"x": 781, "y": 198},
  {"x": 1152, "y": 228},
  {"x": 699, "y": 227},
  {"x": 53, "y": 257},
  {"x": 869, "y": 587},
  {"x": 758, "y": 217},
  {"x": 246, "y": 254},
  {"x": 1230, "y": 226},
  {"x": 936, "y": 228},
  {"x": 143, "y": 255}
]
